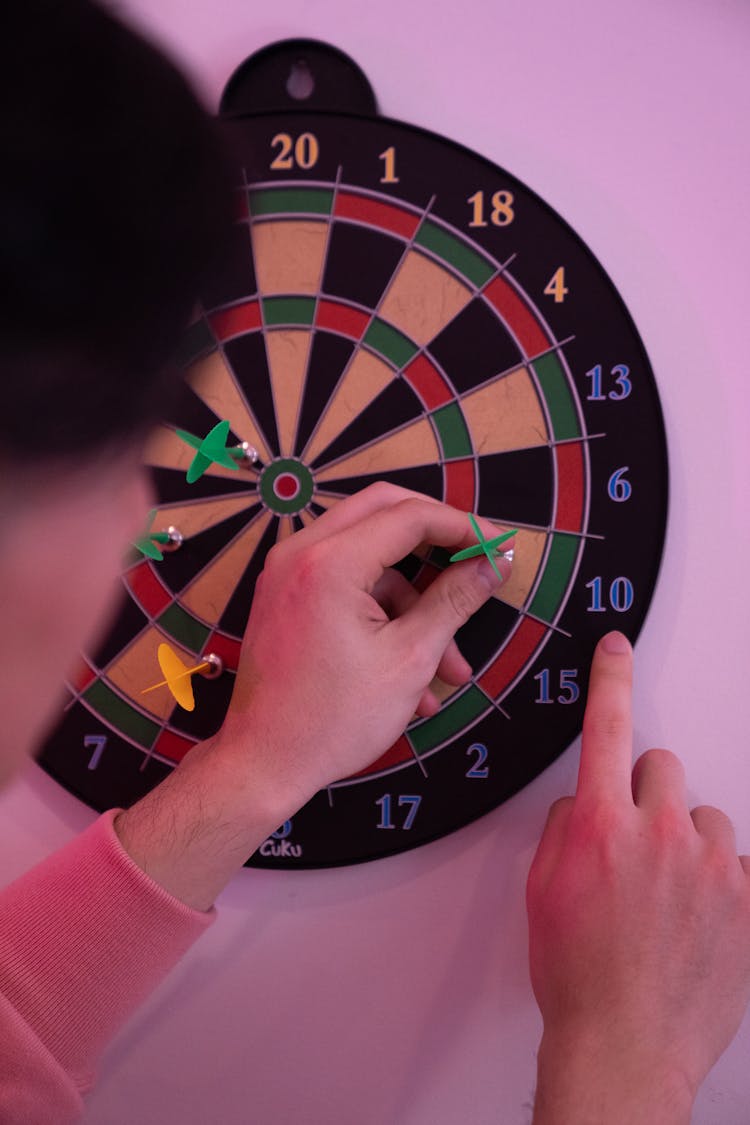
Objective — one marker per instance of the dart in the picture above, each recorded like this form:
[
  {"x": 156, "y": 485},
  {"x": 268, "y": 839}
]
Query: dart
[
  {"x": 483, "y": 547},
  {"x": 170, "y": 539},
  {"x": 146, "y": 543},
  {"x": 479, "y": 548},
  {"x": 212, "y": 450},
  {"x": 178, "y": 675}
]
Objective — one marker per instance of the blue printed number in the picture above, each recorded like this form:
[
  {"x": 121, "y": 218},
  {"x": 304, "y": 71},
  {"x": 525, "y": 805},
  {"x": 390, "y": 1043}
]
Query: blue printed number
[
  {"x": 623, "y": 385},
  {"x": 569, "y": 689},
  {"x": 98, "y": 743},
  {"x": 619, "y": 488},
  {"x": 478, "y": 769},
  {"x": 385, "y": 804},
  {"x": 620, "y": 595}
]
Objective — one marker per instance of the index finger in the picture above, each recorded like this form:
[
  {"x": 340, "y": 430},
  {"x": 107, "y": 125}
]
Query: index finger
[
  {"x": 607, "y": 745},
  {"x": 359, "y": 506},
  {"x": 392, "y": 533}
]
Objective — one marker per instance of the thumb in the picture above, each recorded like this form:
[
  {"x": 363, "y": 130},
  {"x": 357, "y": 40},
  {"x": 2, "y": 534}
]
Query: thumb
[{"x": 452, "y": 598}]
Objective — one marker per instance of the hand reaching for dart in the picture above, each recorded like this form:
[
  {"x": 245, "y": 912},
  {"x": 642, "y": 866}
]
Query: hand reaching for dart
[
  {"x": 340, "y": 648},
  {"x": 338, "y": 654}
]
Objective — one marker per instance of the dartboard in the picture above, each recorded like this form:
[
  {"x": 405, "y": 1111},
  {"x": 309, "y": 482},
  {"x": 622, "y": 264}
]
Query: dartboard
[{"x": 394, "y": 308}]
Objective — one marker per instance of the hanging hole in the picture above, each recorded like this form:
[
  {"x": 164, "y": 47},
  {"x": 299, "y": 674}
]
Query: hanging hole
[{"x": 300, "y": 83}]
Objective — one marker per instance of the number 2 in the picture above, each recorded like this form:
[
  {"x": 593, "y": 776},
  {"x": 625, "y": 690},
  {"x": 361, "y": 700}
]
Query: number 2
[{"x": 478, "y": 769}]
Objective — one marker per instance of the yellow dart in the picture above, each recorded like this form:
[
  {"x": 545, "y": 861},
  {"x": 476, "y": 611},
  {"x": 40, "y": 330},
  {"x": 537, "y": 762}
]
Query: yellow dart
[{"x": 178, "y": 676}]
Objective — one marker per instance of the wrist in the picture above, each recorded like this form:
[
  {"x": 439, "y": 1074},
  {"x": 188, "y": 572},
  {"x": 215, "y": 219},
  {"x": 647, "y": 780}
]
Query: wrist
[
  {"x": 203, "y": 822},
  {"x": 582, "y": 1080}
]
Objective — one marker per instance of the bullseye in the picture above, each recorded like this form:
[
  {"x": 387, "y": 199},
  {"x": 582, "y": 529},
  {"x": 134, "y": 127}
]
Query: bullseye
[{"x": 286, "y": 486}]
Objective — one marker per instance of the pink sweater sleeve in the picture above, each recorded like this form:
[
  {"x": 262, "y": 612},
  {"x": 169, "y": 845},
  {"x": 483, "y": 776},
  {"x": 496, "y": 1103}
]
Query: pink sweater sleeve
[{"x": 84, "y": 938}]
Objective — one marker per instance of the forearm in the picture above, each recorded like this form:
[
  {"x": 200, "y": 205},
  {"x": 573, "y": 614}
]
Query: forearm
[
  {"x": 580, "y": 1084},
  {"x": 85, "y": 936},
  {"x": 195, "y": 830}
]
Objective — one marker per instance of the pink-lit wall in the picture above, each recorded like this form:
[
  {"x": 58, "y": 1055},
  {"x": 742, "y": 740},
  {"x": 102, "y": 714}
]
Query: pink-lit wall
[{"x": 397, "y": 993}]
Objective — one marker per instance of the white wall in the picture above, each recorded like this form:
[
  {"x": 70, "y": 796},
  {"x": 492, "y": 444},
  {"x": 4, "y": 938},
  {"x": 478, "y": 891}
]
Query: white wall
[{"x": 398, "y": 992}]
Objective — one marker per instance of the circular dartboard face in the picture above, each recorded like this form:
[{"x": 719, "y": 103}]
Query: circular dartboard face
[{"x": 396, "y": 308}]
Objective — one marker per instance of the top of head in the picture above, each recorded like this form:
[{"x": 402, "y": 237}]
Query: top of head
[{"x": 112, "y": 203}]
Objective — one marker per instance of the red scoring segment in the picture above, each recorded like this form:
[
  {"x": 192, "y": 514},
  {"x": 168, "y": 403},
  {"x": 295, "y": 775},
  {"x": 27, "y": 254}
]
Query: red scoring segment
[
  {"x": 518, "y": 316},
  {"x": 286, "y": 486},
  {"x": 376, "y": 214},
  {"x": 571, "y": 488}
]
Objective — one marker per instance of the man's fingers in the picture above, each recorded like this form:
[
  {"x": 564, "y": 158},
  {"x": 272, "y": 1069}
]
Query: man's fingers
[
  {"x": 714, "y": 825},
  {"x": 346, "y": 513},
  {"x": 428, "y": 705},
  {"x": 548, "y": 850},
  {"x": 450, "y": 600},
  {"x": 395, "y": 530},
  {"x": 607, "y": 745},
  {"x": 658, "y": 780},
  {"x": 396, "y": 595}
]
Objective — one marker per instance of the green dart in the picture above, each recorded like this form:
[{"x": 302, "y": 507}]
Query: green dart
[
  {"x": 146, "y": 543},
  {"x": 478, "y": 549},
  {"x": 483, "y": 547},
  {"x": 211, "y": 450}
]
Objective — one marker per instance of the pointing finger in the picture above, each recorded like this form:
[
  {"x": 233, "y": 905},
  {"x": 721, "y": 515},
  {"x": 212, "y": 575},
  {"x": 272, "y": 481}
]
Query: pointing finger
[{"x": 607, "y": 745}]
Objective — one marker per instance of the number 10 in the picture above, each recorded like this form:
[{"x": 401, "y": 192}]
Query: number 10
[{"x": 620, "y": 595}]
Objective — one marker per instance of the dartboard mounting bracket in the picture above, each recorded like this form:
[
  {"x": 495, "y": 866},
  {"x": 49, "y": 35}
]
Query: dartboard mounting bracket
[{"x": 298, "y": 74}]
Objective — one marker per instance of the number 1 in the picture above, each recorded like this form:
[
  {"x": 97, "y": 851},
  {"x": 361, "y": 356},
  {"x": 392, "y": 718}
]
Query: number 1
[{"x": 389, "y": 159}]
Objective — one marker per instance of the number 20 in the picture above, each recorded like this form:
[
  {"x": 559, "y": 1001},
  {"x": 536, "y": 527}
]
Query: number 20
[{"x": 303, "y": 152}]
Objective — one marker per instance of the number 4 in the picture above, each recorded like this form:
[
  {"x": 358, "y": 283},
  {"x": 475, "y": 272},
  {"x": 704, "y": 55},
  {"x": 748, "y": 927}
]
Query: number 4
[{"x": 555, "y": 287}]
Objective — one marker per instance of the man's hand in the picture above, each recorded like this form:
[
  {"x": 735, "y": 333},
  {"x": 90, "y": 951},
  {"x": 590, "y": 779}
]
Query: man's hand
[
  {"x": 338, "y": 655},
  {"x": 340, "y": 649},
  {"x": 639, "y": 928}
]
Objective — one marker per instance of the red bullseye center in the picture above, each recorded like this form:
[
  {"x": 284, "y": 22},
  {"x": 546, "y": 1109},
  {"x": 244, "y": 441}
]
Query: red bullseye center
[{"x": 286, "y": 486}]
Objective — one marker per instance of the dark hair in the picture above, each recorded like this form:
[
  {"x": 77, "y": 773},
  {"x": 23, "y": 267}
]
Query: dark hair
[{"x": 113, "y": 204}]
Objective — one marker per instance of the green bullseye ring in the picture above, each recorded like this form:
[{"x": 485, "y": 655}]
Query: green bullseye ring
[{"x": 286, "y": 486}]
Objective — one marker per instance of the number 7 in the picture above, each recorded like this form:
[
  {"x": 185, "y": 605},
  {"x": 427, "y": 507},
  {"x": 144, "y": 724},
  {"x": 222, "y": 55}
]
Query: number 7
[{"x": 98, "y": 741}]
